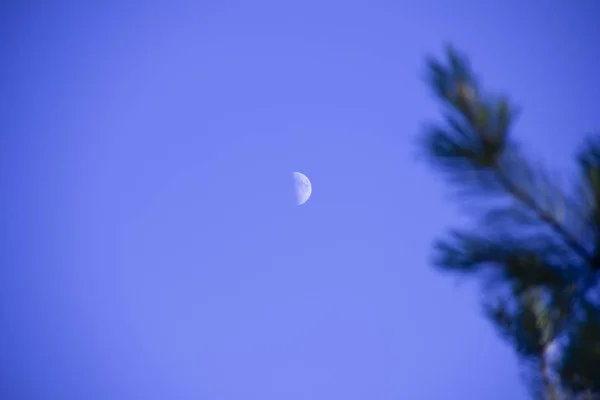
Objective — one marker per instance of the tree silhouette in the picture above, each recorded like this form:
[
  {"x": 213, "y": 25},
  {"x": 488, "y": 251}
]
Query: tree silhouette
[{"x": 533, "y": 243}]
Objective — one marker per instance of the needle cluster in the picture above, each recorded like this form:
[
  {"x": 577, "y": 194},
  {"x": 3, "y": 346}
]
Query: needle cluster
[{"x": 534, "y": 244}]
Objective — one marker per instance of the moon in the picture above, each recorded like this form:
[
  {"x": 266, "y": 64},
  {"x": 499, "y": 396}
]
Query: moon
[{"x": 303, "y": 188}]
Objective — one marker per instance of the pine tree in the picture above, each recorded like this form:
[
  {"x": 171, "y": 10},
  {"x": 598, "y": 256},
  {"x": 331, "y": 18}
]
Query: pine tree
[{"x": 533, "y": 243}]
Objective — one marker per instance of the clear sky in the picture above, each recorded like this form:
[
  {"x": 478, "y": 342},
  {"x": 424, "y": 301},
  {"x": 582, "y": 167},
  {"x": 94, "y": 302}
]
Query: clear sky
[{"x": 151, "y": 248}]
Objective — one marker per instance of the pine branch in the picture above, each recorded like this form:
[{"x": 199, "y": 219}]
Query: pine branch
[
  {"x": 473, "y": 146},
  {"x": 544, "y": 216},
  {"x": 477, "y": 139}
]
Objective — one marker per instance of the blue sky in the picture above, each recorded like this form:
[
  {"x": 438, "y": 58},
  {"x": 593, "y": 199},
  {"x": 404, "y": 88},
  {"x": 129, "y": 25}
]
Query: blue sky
[{"x": 151, "y": 247}]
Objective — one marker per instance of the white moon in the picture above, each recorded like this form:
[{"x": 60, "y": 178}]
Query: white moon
[{"x": 303, "y": 188}]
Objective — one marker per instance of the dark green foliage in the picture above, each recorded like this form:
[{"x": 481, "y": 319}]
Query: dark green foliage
[
  {"x": 536, "y": 244},
  {"x": 580, "y": 366}
]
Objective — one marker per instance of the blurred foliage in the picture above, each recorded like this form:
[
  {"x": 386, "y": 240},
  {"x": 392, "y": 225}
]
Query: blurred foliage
[{"x": 534, "y": 243}]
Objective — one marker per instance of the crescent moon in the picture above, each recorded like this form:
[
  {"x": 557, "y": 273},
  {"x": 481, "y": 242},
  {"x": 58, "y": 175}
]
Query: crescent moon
[{"x": 303, "y": 188}]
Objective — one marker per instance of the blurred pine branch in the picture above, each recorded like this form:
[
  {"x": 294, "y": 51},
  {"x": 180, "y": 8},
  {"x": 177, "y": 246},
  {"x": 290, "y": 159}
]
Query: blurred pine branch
[{"x": 537, "y": 243}]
